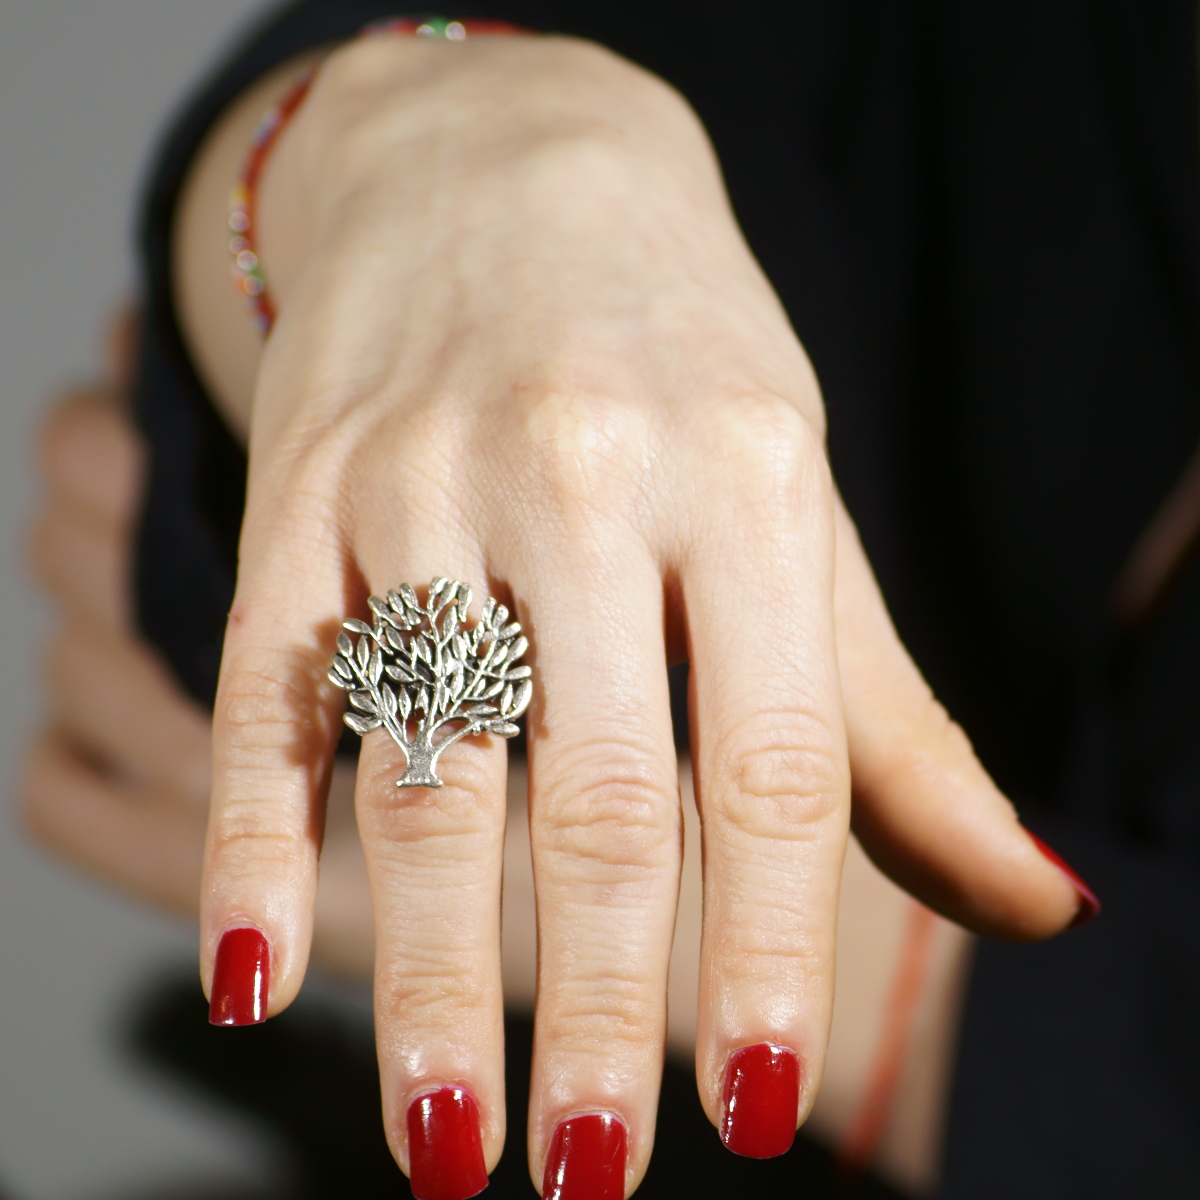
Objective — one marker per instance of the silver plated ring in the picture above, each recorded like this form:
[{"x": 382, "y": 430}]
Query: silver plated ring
[{"x": 418, "y": 669}]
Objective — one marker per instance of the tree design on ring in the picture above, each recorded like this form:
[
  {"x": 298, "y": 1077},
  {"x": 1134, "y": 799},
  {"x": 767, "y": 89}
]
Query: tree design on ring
[{"x": 417, "y": 669}]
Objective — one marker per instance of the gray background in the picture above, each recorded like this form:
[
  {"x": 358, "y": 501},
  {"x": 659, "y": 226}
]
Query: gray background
[{"x": 84, "y": 86}]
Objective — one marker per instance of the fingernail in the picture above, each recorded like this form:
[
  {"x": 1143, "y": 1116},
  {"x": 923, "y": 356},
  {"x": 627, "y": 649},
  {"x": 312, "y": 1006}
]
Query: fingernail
[
  {"x": 444, "y": 1148},
  {"x": 240, "y": 979},
  {"x": 586, "y": 1159},
  {"x": 762, "y": 1093},
  {"x": 1089, "y": 906}
]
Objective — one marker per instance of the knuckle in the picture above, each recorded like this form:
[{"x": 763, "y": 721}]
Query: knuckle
[
  {"x": 252, "y": 838},
  {"x": 770, "y": 449},
  {"x": 929, "y": 742},
  {"x": 36, "y": 819},
  {"x": 602, "y": 1014},
  {"x": 306, "y": 513},
  {"x": 85, "y": 443},
  {"x": 261, "y": 710},
  {"x": 609, "y": 816},
  {"x": 256, "y": 716},
  {"x": 943, "y": 732},
  {"x": 59, "y": 656},
  {"x": 784, "y": 788},
  {"x": 579, "y": 443},
  {"x": 35, "y": 824},
  {"x": 433, "y": 982},
  {"x": 438, "y": 422},
  {"x": 768, "y": 951},
  {"x": 300, "y": 488},
  {"x": 424, "y": 468},
  {"x": 446, "y": 824}
]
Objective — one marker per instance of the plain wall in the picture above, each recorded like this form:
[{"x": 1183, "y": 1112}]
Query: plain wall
[{"x": 84, "y": 87}]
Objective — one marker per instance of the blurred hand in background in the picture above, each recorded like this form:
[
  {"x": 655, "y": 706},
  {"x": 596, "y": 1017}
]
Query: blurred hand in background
[{"x": 118, "y": 778}]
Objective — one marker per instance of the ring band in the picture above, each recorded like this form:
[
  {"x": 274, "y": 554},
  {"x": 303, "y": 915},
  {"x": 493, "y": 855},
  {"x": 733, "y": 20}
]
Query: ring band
[{"x": 418, "y": 668}]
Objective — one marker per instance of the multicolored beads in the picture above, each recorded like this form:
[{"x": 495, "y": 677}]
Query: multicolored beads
[{"x": 243, "y": 241}]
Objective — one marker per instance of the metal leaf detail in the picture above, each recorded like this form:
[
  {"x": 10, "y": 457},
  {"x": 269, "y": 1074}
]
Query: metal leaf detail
[{"x": 418, "y": 669}]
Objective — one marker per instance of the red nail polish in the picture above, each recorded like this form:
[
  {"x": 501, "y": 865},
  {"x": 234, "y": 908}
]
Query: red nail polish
[
  {"x": 586, "y": 1159},
  {"x": 762, "y": 1093},
  {"x": 1089, "y": 906},
  {"x": 241, "y": 977},
  {"x": 444, "y": 1148}
]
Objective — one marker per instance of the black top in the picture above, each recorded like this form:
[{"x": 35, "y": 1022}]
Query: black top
[{"x": 984, "y": 221}]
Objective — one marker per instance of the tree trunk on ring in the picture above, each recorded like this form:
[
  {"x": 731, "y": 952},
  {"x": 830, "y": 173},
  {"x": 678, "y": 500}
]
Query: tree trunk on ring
[{"x": 421, "y": 757}]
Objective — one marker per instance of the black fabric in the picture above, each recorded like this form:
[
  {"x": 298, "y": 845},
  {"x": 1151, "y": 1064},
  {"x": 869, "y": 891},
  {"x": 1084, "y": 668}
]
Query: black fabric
[
  {"x": 984, "y": 222},
  {"x": 1079, "y": 1059}
]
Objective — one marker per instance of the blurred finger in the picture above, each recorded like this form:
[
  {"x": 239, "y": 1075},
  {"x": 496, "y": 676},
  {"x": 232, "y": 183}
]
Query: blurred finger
[
  {"x": 92, "y": 467},
  {"x": 113, "y": 695},
  {"x": 92, "y": 457},
  {"x": 149, "y": 849},
  {"x": 120, "y": 345},
  {"x": 84, "y": 566}
]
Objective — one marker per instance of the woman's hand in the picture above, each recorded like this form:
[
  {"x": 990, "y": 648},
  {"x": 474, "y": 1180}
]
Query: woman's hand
[
  {"x": 118, "y": 784},
  {"x": 522, "y": 343}
]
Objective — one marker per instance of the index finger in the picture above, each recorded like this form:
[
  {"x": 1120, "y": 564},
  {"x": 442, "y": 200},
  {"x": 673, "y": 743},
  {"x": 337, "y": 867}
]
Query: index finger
[{"x": 275, "y": 724}]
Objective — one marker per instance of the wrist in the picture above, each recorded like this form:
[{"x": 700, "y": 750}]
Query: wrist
[
  {"x": 424, "y": 140},
  {"x": 428, "y": 190}
]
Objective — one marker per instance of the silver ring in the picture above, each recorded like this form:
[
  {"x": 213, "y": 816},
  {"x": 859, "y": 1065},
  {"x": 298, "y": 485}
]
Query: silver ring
[{"x": 418, "y": 668}]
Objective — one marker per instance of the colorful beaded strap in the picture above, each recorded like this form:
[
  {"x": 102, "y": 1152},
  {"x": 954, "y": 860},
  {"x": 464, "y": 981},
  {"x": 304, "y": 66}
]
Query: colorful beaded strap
[{"x": 243, "y": 203}]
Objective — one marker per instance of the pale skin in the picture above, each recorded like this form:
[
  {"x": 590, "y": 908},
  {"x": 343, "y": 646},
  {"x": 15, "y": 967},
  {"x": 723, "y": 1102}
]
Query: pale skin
[
  {"x": 522, "y": 343},
  {"x": 118, "y": 784}
]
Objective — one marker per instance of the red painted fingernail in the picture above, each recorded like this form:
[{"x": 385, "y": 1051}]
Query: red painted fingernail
[
  {"x": 762, "y": 1092},
  {"x": 241, "y": 978},
  {"x": 444, "y": 1148},
  {"x": 1089, "y": 906},
  {"x": 586, "y": 1159}
]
